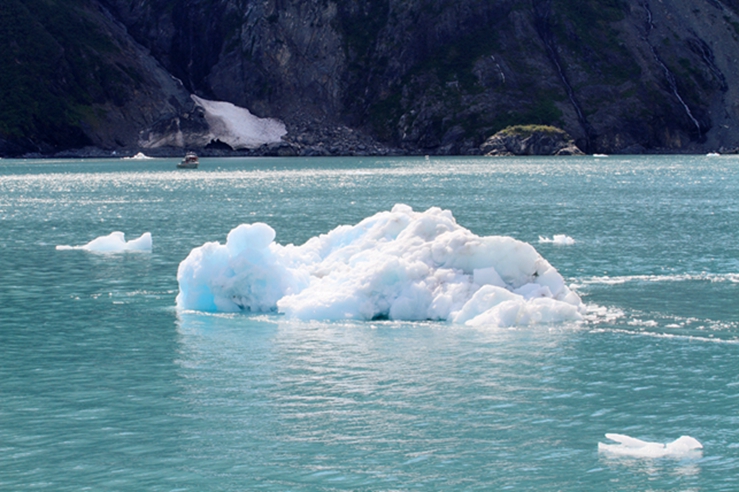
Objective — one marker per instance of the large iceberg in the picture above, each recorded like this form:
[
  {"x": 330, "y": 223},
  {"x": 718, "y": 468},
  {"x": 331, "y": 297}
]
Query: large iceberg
[{"x": 399, "y": 265}]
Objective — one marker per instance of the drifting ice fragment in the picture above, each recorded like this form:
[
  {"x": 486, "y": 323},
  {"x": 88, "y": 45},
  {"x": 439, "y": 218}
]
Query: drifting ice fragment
[
  {"x": 630, "y": 446},
  {"x": 401, "y": 265},
  {"x": 140, "y": 156},
  {"x": 113, "y": 243},
  {"x": 559, "y": 239}
]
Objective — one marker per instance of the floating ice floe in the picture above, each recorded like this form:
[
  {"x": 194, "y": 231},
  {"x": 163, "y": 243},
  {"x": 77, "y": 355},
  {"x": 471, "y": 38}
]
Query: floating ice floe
[
  {"x": 140, "y": 156},
  {"x": 400, "y": 265},
  {"x": 630, "y": 446},
  {"x": 113, "y": 243},
  {"x": 559, "y": 239}
]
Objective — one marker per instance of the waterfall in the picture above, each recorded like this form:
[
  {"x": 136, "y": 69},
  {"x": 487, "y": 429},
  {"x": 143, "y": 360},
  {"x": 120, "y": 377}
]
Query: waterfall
[
  {"x": 541, "y": 17},
  {"x": 669, "y": 76}
]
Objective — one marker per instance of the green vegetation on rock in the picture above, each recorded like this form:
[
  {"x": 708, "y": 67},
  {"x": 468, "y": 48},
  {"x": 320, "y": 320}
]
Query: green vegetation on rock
[
  {"x": 528, "y": 130},
  {"x": 57, "y": 64}
]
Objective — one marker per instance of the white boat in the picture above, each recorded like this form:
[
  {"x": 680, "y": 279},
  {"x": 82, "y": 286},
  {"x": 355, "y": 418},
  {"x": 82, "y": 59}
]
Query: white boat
[{"x": 190, "y": 161}]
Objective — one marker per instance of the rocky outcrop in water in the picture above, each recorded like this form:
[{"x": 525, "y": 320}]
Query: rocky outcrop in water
[
  {"x": 418, "y": 76},
  {"x": 530, "y": 140}
]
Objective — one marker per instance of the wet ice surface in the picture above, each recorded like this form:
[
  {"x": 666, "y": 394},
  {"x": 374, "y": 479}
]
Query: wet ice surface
[
  {"x": 115, "y": 242},
  {"x": 399, "y": 265}
]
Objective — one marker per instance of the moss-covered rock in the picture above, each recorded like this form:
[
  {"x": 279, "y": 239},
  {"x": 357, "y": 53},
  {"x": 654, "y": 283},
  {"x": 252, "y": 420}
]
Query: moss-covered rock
[{"x": 530, "y": 140}]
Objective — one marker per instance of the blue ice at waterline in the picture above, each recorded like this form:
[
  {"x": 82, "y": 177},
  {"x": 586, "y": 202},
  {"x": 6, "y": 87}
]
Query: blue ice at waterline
[{"x": 398, "y": 264}]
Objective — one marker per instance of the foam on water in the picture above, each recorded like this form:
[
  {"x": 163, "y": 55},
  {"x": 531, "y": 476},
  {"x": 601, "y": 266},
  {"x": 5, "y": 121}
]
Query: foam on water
[
  {"x": 680, "y": 277},
  {"x": 400, "y": 265},
  {"x": 113, "y": 243}
]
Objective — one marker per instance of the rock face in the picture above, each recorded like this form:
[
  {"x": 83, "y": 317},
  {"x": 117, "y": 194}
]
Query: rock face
[
  {"x": 416, "y": 76},
  {"x": 73, "y": 77},
  {"x": 530, "y": 140}
]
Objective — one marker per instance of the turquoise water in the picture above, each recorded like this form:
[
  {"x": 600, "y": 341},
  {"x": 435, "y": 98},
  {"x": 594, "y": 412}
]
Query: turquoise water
[{"x": 105, "y": 386}]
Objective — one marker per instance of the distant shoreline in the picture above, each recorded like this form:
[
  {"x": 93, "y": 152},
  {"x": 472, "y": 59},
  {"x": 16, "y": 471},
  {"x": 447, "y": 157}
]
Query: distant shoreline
[{"x": 102, "y": 154}]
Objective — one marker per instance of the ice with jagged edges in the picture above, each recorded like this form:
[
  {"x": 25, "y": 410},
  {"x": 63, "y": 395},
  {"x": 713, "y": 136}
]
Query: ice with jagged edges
[
  {"x": 398, "y": 265},
  {"x": 114, "y": 242},
  {"x": 558, "y": 239},
  {"x": 636, "y": 448}
]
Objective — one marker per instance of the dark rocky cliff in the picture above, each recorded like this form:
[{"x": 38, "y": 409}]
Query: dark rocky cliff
[
  {"x": 72, "y": 77},
  {"x": 422, "y": 76}
]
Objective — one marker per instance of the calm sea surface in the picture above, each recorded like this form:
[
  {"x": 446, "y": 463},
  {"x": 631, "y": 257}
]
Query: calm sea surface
[{"x": 105, "y": 386}]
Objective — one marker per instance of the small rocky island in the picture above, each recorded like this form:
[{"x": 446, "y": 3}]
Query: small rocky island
[{"x": 530, "y": 140}]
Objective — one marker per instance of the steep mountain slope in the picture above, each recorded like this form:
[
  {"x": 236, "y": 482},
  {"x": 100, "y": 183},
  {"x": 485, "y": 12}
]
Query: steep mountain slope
[
  {"x": 72, "y": 77},
  {"x": 425, "y": 76}
]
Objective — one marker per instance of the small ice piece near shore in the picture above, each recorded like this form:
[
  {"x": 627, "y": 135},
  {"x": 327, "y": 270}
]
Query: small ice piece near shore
[
  {"x": 114, "y": 242},
  {"x": 630, "y": 446},
  {"x": 138, "y": 157},
  {"x": 398, "y": 265},
  {"x": 558, "y": 239}
]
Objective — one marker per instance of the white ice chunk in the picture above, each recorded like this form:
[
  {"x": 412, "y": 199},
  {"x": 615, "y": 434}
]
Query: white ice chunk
[
  {"x": 533, "y": 290},
  {"x": 519, "y": 311},
  {"x": 246, "y": 273},
  {"x": 485, "y": 299},
  {"x": 255, "y": 237},
  {"x": 550, "y": 278},
  {"x": 115, "y": 242},
  {"x": 558, "y": 239},
  {"x": 400, "y": 264},
  {"x": 140, "y": 156},
  {"x": 142, "y": 243},
  {"x": 487, "y": 276},
  {"x": 630, "y": 446}
]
